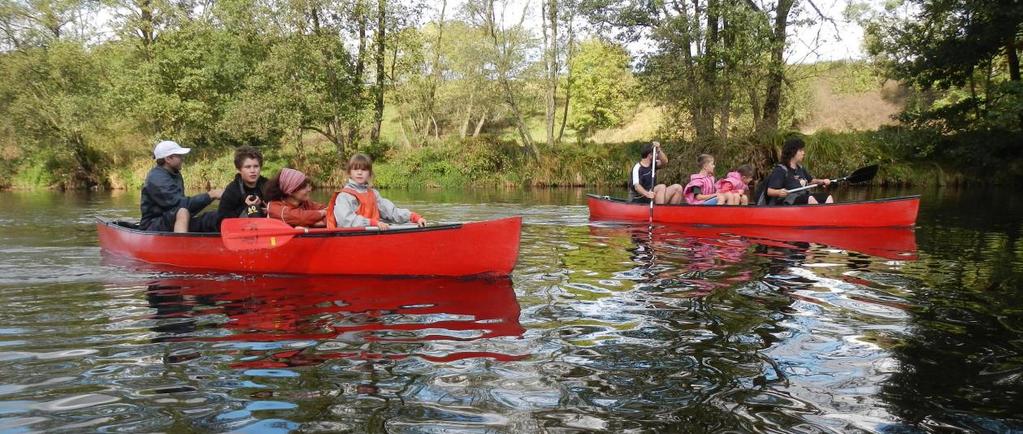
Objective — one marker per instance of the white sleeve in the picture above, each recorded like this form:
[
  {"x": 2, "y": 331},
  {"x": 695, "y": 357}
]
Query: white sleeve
[{"x": 635, "y": 175}]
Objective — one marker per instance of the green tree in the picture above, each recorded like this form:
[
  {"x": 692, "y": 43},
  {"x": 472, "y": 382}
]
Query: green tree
[
  {"x": 961, "y": 58},
  {"x": 603, "y": 85},
  {"x": 53, "y": 104},
  {"x": 181, "y": 86},
  {"x": 706, "y": 54},
  {"x": 306, "y": 83}
]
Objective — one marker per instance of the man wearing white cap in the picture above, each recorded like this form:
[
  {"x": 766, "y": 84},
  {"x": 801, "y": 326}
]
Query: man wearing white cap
[{"x": 164, "y": 204}]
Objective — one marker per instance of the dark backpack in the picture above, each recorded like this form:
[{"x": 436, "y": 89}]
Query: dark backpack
[{"x": 761, "y": 192}]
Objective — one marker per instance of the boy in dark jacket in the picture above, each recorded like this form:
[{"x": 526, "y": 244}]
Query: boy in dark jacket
[
  {"x": 164, "y": 204},
  {"x": 243, "y": 197}
]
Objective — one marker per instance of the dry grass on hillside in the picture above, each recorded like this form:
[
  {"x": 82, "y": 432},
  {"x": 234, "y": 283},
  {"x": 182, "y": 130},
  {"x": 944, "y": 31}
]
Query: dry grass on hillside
[
  {"x": 642, "y": 127},
  {"x": 854, "y": 111},
  {"x": 833, "y": 110}
]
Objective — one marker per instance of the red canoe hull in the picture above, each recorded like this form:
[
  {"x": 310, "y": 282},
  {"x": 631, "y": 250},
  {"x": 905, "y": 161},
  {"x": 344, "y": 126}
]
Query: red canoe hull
[
  {"x": 885, "y": 213},
  {"x": 488, "y": 248}
]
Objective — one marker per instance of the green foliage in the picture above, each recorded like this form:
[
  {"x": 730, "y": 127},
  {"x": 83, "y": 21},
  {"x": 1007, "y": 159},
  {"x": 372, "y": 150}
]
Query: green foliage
[
  {"x": 305, "y": 83},
  {"x": 854, "y": 77},
  {"x": 52, "y": 102},
  {"x": 35, "y": 173},
  {"x": 603, "y": 85},
  {"x": 961, "y": 59},
  {"x": 945, "y": 41},
  {"x": 465, "y": 96},
  {"x": 183, "y": 88},
  {"x": 472, "y": 161},
  {"x": 423, "y": 167}
]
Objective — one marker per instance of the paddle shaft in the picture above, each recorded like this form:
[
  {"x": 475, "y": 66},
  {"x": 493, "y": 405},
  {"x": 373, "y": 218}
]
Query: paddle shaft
[
  {"x": 653, "y": 180},
  {"x": 796, "y": 190}
]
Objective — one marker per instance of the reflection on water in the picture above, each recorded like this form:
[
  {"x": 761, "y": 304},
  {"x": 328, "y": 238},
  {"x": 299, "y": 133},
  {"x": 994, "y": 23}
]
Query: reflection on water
[
  {"x": 603, "y": 327},
  {"x": 304, "y": 311}
]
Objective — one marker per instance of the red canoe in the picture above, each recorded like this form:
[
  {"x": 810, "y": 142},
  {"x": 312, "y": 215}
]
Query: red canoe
[
  {"x": 883, "y": 213},
  {"x": 487, "y": 248}
]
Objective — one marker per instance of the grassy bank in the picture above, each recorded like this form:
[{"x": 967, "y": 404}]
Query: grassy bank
[
  {"x": 847, "y": 113},
  {"x": 490, "y": 162}
]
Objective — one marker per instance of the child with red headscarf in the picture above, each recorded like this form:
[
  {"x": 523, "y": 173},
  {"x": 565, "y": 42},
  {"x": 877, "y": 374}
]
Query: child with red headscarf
[{"x": 287, "y": 194}]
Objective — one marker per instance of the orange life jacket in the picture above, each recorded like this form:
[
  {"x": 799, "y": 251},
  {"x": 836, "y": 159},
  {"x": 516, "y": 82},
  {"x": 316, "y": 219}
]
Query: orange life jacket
[{"x": 367, "y": 206}]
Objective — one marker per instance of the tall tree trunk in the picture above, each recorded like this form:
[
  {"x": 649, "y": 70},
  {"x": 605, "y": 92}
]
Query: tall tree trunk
[
  {"x": 502, "y": 64},
  {"x": 468, "y": 116},
  {"x": 146, "y": 26},
  {"x": 568, "y": 78},
  {"x": 479, "y": 124},
  {"x": 1013, "y": 59},
  {"x": 360, "y": 61},
  {"x": 550, "y": 23},
  {"x": 725, "y": 112},
  {"x": 435, "y": 76},
  {"x": 755, "y": 108},
  {"x": 727, "y": 42},
  {"x": 378, "y": 106},
  {"x": 711, "y": 74},
  {"x": 776, "y": 77},
  {"x": 703, "y": 121}
]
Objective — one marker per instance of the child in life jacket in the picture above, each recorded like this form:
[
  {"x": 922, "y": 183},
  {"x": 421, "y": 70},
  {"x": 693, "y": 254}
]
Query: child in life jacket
[
  {"x": 701, "y": 189},
  {"x": 736, "y": 184},
  {"x": 358, "y": 204}
]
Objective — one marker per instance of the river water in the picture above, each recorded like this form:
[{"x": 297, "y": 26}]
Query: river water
[{"x": 601, "y": 327}]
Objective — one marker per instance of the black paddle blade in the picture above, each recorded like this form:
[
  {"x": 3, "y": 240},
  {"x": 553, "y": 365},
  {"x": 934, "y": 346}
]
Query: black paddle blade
[{"x": 863, "y": 174}]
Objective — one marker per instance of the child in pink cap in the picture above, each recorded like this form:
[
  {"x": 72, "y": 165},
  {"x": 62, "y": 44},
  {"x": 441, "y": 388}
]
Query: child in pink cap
[{"x": 287, "y": 194}]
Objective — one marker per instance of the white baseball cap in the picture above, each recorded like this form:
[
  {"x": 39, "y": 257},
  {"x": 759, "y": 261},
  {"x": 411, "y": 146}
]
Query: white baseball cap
[{"x": 167, "y": 148}]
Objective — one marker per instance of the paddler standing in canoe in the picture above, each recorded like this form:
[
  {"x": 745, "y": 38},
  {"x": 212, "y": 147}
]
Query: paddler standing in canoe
[
  {"x": 164, "y": 204},
  {"x": 359, "y": 205},
  {"x": 791, "y": 175}
]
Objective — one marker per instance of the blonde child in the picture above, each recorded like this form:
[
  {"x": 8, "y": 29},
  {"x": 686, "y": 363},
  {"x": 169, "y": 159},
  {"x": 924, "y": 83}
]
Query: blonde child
[{"x": 358, "y": 204}]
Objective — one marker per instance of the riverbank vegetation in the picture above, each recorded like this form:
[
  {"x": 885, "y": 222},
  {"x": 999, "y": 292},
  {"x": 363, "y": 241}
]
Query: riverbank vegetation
[{"x": 476, "y": 94}]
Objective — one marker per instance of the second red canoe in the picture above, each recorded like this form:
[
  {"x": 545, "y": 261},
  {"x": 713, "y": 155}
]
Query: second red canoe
[{"x": 883, "y": 213}]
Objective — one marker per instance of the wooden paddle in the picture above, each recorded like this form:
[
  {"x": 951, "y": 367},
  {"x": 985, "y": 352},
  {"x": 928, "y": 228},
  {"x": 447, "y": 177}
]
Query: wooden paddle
[
  {"x": 862, "y": 174},
  {"x": 261, "y": 233},
  {"x": 653, "y": 178}
]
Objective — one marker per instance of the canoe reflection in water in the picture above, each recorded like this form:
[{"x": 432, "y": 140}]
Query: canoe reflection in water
[
  {"x": 703, "y": 258},
  {"x": 338, "y": 317}
]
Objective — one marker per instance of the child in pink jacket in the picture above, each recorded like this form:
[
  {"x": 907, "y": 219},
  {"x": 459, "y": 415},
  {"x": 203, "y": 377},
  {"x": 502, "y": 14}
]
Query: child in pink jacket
[
  {"x": 702, "y": 190},
  {"x": 736, "y": 184}
]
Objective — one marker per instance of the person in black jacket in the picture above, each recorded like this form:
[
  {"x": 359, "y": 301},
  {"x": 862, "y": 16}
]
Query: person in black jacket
[
  {"x": 790, "y": 175},
  {"x": 243, "y": 197},
  {"x": 164, "y": 204}
]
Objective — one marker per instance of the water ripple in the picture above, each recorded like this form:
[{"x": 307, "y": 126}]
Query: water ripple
[{"x": 603, "y": 327}]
